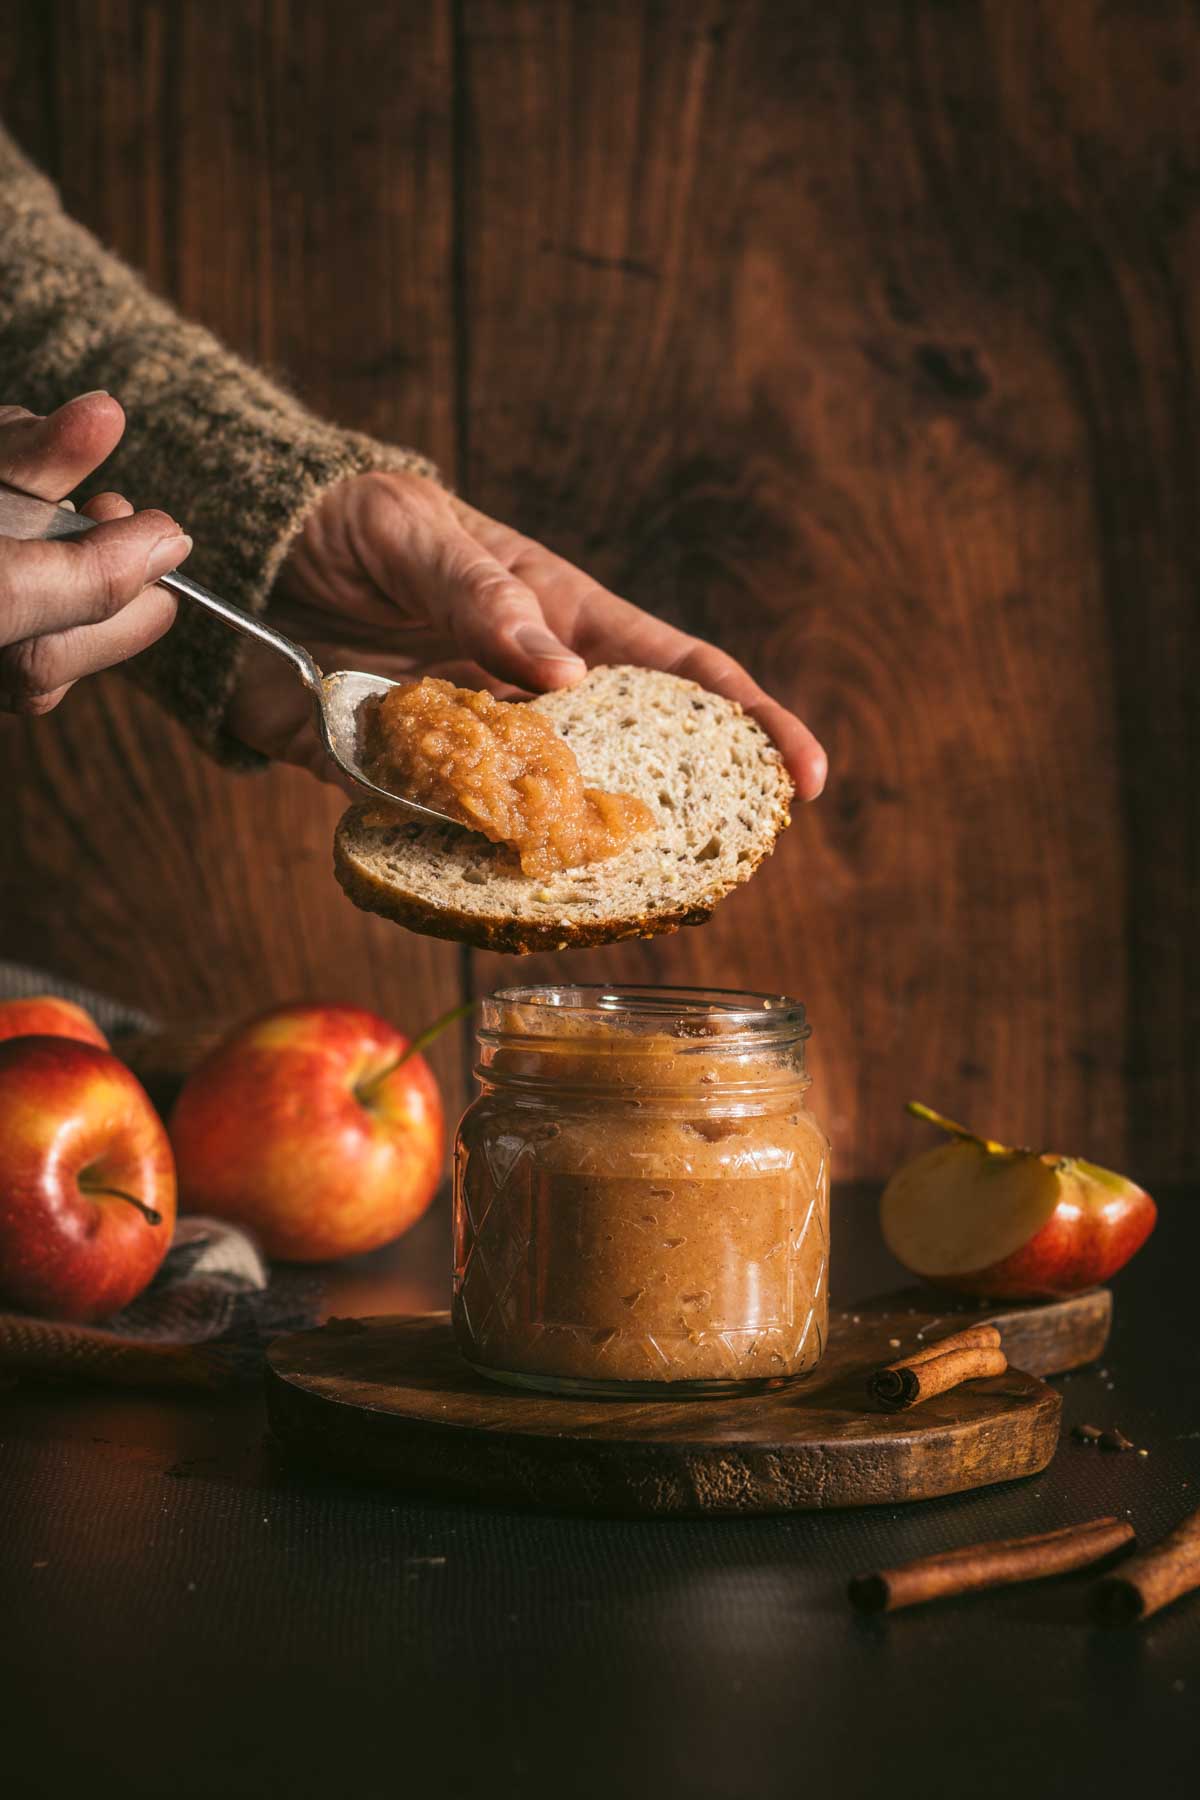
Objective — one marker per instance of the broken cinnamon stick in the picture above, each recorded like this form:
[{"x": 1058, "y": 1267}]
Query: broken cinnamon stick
[
  {"x": 1152, "y": 1580},
  {"x": 997, "y": 1564},
  {"x": 967, "y": 1356}
]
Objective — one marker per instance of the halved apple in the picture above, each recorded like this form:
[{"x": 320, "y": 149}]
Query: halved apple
[{"x": 981, "y": 1218}]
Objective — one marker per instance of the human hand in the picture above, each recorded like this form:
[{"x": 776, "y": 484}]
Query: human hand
[
  {"x": 75, "y": 605},
  {"x": 394, "y": 575}
]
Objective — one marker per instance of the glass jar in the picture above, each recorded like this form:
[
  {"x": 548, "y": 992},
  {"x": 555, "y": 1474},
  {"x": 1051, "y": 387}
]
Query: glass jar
[{"x": 641, "y": 1197}]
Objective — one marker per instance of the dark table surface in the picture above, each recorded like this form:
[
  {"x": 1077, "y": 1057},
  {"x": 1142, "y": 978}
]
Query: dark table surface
[{"x": 183, "y": 1615}]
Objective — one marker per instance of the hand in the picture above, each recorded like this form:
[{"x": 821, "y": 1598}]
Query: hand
[
  {"x": 393, "y": 575},
  {"x": 75, "y": 605}
]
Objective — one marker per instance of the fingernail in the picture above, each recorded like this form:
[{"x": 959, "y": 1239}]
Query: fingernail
[
  {"x": 542, "y": 644},
  {"x": 92, "y": 394},
  {"x": 165, "y": 556}
]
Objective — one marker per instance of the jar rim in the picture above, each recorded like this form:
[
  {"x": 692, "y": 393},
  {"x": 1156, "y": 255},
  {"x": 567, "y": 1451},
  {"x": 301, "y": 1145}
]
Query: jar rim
[{"x": 643, "y": 1006}]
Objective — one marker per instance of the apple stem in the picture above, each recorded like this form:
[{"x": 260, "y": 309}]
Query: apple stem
[
  {"x": 436, "y": 1029},
  {"x": 423, "y": 1038},
  {"x": 926, "y": 1113},
  {"x": 148, "y": 1213}
]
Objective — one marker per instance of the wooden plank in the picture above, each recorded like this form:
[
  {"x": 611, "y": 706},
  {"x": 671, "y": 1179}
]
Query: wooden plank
[
  {"x": 287, "y": 182},
  {"x": 391, "y": 1398},
  {"x": 860, "y": 340}
]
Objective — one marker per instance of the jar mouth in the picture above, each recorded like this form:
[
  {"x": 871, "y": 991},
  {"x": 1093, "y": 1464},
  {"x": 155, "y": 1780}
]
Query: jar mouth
[{"x": 643, "y": 1009}]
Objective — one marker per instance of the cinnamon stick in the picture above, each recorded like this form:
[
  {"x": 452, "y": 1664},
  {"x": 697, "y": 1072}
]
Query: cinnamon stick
[
  {"x": 975, "y": 1337},
  {"x": 967, "y": 1356},
  {"x": 979, "y": 1566},
  {"x": 1154, "y": 1579}
]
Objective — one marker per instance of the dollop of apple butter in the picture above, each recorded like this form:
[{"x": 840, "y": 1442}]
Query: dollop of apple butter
[{"x": 501, "y": 769}]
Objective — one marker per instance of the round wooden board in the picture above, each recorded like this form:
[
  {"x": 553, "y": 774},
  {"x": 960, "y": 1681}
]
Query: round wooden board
[{"x": 391, "y": 1399}]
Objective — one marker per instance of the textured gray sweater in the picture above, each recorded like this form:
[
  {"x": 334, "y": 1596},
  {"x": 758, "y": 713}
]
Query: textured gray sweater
[{"x": 233, "y": 457}]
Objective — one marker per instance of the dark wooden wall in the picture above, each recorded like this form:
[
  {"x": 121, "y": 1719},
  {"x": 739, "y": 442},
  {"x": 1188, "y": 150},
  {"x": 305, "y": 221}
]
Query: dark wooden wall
[{"x": 863, "y": 338}]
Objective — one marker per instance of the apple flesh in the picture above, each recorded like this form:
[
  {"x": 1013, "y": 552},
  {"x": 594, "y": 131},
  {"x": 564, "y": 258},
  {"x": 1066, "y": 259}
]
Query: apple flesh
[
  {"x": 317, "y": 1128},
  {"x": 45, "y": 1015},
  {"x": 87, "y": 1180},
  {"x": 980, "y": 1218}
]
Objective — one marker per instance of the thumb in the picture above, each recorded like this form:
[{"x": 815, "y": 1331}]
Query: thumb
[{"x": 498, "y": 622}]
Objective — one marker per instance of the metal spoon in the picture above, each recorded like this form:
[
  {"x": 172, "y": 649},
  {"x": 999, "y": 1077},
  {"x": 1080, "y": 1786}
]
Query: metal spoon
[{"x": 337, "y": 699}]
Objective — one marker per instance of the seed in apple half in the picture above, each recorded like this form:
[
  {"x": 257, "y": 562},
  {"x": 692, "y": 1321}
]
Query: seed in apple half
[{"x": 981, "y": 1218}]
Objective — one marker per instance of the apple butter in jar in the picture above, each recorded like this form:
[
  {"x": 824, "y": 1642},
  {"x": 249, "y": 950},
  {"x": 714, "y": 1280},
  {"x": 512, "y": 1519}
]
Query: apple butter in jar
[{"x": 641, "y": 1196}]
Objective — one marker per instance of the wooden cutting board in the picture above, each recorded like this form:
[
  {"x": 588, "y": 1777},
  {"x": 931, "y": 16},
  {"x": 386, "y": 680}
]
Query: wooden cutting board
[{"x": 391, "y": 1399}]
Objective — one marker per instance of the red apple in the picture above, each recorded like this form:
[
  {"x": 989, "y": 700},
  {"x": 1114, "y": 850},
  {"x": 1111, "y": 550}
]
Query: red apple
[
  {"x": 87, "y": 1181},
  {"x": 980, "y": 1218},
  {"x": 316, "y": 1127},
  {"x": 45, "y": 1015}
]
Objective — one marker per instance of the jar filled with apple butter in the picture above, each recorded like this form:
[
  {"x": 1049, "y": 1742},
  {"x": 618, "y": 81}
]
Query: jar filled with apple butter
[{"x": 641, "y": 1196}]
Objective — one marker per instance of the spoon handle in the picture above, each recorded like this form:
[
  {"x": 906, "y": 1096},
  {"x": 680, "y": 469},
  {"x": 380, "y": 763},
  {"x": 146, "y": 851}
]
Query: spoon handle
[
  {"x": 24, "y": 516},
  {"x": 247, "y": 624}
]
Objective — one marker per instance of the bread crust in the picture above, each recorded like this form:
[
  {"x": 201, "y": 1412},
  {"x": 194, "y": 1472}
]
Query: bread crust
[{"x": 515, "y": 937}]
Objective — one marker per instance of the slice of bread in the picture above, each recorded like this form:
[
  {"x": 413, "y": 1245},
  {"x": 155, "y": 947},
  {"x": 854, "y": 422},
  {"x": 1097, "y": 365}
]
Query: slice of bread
[{"x": 712, "y": 778}]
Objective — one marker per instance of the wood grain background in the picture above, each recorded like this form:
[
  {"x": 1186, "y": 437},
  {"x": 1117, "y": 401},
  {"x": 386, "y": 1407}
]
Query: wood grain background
[{"x": 863, "y": 339}]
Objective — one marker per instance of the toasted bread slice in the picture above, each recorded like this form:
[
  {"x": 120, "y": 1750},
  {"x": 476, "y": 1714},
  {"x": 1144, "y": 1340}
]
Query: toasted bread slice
[{"x": 712, "y": 778}]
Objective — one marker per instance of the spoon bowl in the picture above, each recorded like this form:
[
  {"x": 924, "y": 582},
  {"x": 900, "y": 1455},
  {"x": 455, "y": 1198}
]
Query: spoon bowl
[{"x": 340, "y": 707}]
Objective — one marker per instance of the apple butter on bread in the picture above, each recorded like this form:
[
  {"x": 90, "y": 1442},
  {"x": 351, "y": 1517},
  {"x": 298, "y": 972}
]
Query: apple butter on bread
[{"x": 501, "y": 769}]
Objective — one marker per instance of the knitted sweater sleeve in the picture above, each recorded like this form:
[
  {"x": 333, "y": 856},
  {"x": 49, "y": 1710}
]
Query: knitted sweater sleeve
[{"x": 227, "y": 452}]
